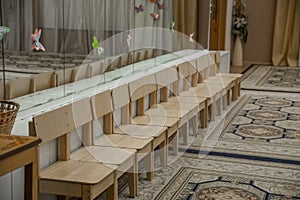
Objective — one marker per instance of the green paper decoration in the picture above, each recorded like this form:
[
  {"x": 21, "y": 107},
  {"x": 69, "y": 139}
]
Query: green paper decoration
[{"x": 3, "y": 31}]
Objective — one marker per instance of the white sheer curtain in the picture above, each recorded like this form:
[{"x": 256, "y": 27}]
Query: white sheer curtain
[
  {"x": 18, "y": 15},
  {"x": 69, "y": 25},
  {"x": 152, "y": 38}
]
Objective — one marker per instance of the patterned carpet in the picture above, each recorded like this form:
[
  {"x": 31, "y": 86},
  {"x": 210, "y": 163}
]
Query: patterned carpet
[
  {"x": 268, "y": 78},
  {"x": 255, "y": 157},
  {"x": 257, "y": 126},
  {"x": 249, "y": 153},
  {"x": 218, "y": 178},
  {"x": 195, "y": 183}
]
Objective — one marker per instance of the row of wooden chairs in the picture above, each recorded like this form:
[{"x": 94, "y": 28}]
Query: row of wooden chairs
[
  {"x": 153, "y": 110},
  {"x": 23, "y": 86}
]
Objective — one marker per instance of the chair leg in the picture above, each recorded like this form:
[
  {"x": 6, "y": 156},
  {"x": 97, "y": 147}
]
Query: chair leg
[
  {"x": 195, "y": 125},
  {"x": 219, "y": 106},
  {"x": 239, "y": 88},
  {"x": 175, "y": 143},
  {"x": 204, "y": 118},
  {"x": 112, "y": 191},
  {"x": 185, "y": 131},
  {"x": 224, "y": 101},
  {"x": 163, "y": 153},
  {"x": 133, "y": 178},
  {"x": 236, "y": 92},
  {"x": 212, "y": 111},
  {"x": 87, "y": 192},
  {"x": 228, "y": 98},
  {"x": 150, "y": 165}
]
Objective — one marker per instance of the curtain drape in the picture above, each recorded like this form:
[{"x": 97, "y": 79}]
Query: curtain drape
[
  {"x": 186, "y": 20},
  {"x": 185, "y": 16},
  {"x": 192, "y": 16},
  {"x": 68, "y": 26},
  {"x": 286, "y": 33},
  {"x": 20, "y": 21}
]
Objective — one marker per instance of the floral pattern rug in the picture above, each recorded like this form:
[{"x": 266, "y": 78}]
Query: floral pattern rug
[
  {"x": 257, "y": 126},
  {"x": 195, "y": 184},
  {"x": 269, "y": 78},
  {"x": 191, "y": 178}
]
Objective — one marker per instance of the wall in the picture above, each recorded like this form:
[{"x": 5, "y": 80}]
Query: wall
[
  {"x": 228, "y": 25},
  {"x": 258, "y": 49},
  {"x": 203, "y": 23}
]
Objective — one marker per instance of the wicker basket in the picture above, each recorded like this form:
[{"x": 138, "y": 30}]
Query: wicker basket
[{"x": 8, "y": 113}]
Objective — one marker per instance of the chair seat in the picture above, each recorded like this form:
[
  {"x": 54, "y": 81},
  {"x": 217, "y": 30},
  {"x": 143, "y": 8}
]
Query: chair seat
[
  {"x": 102, "y": 154},
  {"x": 221, "y": 81},
  {"x": 123, "y": 141},
  {"x": 160, "y": 111},
  {"x": 230, "y": 75},
  {"x": 188, "y": 100},
  {"x": 155, "y": 121},
  {"x": 77, "y": 172},
  {"x": 178, "y": 105},
  {"x": 183, "y": 115},
  {"x": 203, "y": 90},
  {"x": 140, "y": 130}
]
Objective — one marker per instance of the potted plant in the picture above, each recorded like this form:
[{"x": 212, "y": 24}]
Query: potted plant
[{"x": 240, "y": 31}]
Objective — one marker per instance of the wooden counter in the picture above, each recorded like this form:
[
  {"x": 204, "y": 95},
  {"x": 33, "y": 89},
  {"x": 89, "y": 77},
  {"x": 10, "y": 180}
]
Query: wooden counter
[{"x": 19, "y": 151}]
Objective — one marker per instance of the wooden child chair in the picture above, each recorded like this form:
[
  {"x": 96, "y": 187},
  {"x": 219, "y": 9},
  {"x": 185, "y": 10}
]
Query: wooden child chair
[
  {"x": 103, "y": 108},
  {"x": 121, "y": 100},
  {"x": 69, "y": 177}
]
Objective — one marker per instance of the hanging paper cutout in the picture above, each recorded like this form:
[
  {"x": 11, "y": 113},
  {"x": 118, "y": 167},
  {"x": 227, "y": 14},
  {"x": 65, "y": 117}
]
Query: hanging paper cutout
[
  {"x": 191, "y": 37},
  {"x": 129, "y": 38},
  {"x": 155, "y": 16},
  {"x": 36, "y": 40},
  {"x": 139, "y": 9},
  {"x": 96, "y": 46},
  {"x": 172, "y": 25},
  {"x": 160, "y": 6},
  {"x": 3, "y": 31},
  {"x": 153, "y": 1}
]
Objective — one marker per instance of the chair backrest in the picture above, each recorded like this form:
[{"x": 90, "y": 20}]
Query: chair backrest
[
  {"x": 102, "y": 107},
  {"x": 102, "y": 104},
  {"x": 193, "y": 72},
  {"x": 183, "y": 70},
  {"x": 212, "y": 63},
  {"x": 59, "y": 122},
  {"x": 203, "y": 67},
  {"x": 124, "y": 58},
  {"x": 108, "y": 64},
  {"x": 81, "y": 72},
  {"x": 43, "y": 81},
  {"x": 116, "y": 63},
  {"x": 2, "y": 85},
  {"x": 138, "y": 55},
  {"x": 218, "y": 60},
  {"x": 165, "y": 78},
  {"x": 142, "y": 87},
  {"x": 19, "y": 87},
  {"x": 139, "y": 89},
  {"x": 121, "y": 100},
  {"x": 147, "y": 54},
  {"x": 129, "y": 58},
  {"x": 184, "y": 75},
  {"x": 120, "y": 96},
  {"x": 64, "y": 76},
  {"x": 97, "y": 68}
]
